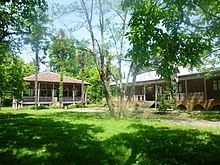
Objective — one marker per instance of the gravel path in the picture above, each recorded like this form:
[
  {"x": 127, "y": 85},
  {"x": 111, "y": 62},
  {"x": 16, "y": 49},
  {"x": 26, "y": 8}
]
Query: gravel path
[{"x": 202, "y": 123}]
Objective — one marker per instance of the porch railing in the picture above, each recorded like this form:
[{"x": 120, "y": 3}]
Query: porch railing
[
  {"x": 190, "y": 96},
  {"x": 29, "y": 99},
  {"x": 136, "y": 98},
  {"x": 45, "y": 99}
]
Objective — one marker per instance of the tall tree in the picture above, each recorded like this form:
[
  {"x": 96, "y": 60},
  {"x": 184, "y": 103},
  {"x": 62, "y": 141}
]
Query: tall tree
[
  {"x": 60, "y": 50},
  {"x": 82, "y": 54},
  {"x": 170, "y": 33},
  {"x": 38, "y": 40},
  {"x": 12, "y": 72},
  {"x": 17, "y": 17},
  {"x": 69, "y": 61},
  {"x": 106, "y": 23},
  {"x": 88, "y": 10}
]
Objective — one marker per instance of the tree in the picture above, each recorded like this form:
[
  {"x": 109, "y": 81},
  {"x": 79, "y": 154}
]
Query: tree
[
  {"x": 69, "y": 61},
  {"x": 17, "y": 17},
  {"x": 82, "y": 54},
  {"x": 167, "y": 34},
  {"x": 29, "y": 68},
  {"x": 94, "y": 90},
  {"x": 106, "y": 22},
  {"x": 38, "y": 39},
  {"x": 60, "y": 50},
  {"x": 12, "y": 72}
]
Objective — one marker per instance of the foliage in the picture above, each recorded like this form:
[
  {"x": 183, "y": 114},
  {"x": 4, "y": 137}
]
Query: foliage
[
  {"x": 29, "y": 69},
  {"x": 164, "y": 102},
  {"x": 94, "y": 90},
  {"x": 18, "y": 16},
  {"x": 40, "y": 107},
  {"x": 69, "y": 60},
  {"x": 11, "y": 72},
  {"x": 51, "y": 136},
  {"x": 77, "y": 105},
  {"x": 166, "y": 34}
]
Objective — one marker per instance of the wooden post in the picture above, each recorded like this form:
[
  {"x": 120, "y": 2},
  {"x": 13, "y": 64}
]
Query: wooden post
[
  {"x": 156, "y": 92},
  {"x": 205, "y": 90},
  {"x": 53, "y": 93},
  {"x": 144, "y": 93},
  {"x": 73, "y": 93},
  {"x": 186, "y": 90},
  {"x": 38, "y": 96},
  {"x": 22, "y": 95},
  {"x": 85, "y": 98}
]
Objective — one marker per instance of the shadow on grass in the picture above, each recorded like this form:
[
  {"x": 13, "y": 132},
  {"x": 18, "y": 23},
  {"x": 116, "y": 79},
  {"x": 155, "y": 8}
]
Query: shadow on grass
[
  {"x": 162, "y": 145},
  {"x": 207, "y": 115},
  {"x": 28, "y": 140},
  {"x": 80, "y": 115}
]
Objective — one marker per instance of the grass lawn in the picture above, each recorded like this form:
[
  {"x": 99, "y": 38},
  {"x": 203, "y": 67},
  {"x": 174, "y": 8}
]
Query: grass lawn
[{"x": 66, "y": 137}]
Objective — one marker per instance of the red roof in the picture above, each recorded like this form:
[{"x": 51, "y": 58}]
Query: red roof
[{"x": 53, "y": 77}]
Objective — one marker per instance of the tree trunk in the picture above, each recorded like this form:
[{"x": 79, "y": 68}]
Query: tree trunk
[
  {"x": 61, "y": 90},
  {"x": 83, "y": 81},
  {"x": 132, "y": 88},
  {"x": 99, "y": 62},
  {"x": 61, "y": 80},
  {"x": 36, "y": 80}
]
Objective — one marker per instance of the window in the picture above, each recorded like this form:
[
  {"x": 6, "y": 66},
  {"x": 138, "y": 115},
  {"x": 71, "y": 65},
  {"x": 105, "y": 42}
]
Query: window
[
  {"x": 30, "y": 92},
  {"x": 180, "y": 88},
  {"x": 55, "y": 93},
  {"x": 216, "y": 85}
]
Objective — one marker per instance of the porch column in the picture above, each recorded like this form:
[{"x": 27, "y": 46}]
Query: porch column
[
  {"x": 144, "y": 93},
  {"x": 186, "y": 90},
  {"x": 205, "y": 90},
  {"x": 38, "y": 96},
  {"x": 73, "y": 93},
  {"x": 53, "y": 93},
  {"x": 156, "y": 91},
  {"x": 85, "y": 98},
  {"x": 22, "y": 95},
  {"x": 14, "y": 103}
]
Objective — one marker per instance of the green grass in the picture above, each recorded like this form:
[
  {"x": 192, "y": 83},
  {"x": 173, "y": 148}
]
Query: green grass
[{"x": 66, "y": 137}]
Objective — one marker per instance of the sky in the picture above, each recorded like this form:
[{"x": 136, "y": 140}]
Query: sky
[{"x": 63, "y": 22}]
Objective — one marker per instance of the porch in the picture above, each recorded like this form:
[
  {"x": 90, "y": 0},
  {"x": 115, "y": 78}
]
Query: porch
[
  {"x": 50, "y": 100},
  {"x": 190, "y": 96}
]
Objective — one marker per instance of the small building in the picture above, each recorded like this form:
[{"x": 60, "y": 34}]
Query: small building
[
  {"x": 48, "y": 89},
  {"x": 194, "y": 91}
]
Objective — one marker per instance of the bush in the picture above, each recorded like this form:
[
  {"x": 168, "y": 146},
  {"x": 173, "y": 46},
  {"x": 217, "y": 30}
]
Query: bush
[
  {"x": 51, "y": 106},
  {"x": 40, "y": 107},
  {"x": 164, "y": 102},
  {"x": 71, "y": 106}
]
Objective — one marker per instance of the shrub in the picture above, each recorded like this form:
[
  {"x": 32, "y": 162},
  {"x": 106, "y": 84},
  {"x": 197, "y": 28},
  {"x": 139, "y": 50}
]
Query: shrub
[
  {"x": 164, "y": 102},
  {"x": 51, "y": 106},
  {"x": 40, "y": 107},
  {"x": 77, "y": 105}
]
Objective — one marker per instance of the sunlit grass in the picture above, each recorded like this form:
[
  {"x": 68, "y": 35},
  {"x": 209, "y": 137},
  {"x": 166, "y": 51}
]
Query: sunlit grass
[{"x": 67, "y": 137}]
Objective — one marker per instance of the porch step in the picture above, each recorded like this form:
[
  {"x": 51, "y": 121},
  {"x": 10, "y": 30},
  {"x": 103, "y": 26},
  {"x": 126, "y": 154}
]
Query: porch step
[{"x": 147, "y": 104}]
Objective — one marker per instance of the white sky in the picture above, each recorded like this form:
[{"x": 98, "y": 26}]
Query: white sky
[{"x": 62, "y": 22}]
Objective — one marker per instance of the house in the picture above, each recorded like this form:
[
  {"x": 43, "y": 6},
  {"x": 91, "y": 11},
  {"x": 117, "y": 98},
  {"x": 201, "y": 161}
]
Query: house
[
  {"x": 48, "y": 89},
  {"x": 194, "y": 91}
]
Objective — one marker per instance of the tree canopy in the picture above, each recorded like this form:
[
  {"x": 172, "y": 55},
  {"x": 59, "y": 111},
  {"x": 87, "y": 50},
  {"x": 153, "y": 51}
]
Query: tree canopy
[
  {"x": 12, "y": 72},
  {"x": 170, "y": 33},
  {"x": 17, "y": 16}
]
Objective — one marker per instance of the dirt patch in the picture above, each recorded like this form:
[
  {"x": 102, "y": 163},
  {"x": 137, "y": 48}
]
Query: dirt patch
[
  {"x": 192, "y": 118},
  {"x": 195, "y": 123}
]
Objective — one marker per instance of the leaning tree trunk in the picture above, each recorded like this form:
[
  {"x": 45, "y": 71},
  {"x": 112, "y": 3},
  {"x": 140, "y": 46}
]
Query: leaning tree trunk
[
  {"x": 132, "y": 89},
  {"x": 99, "y": 62}
]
